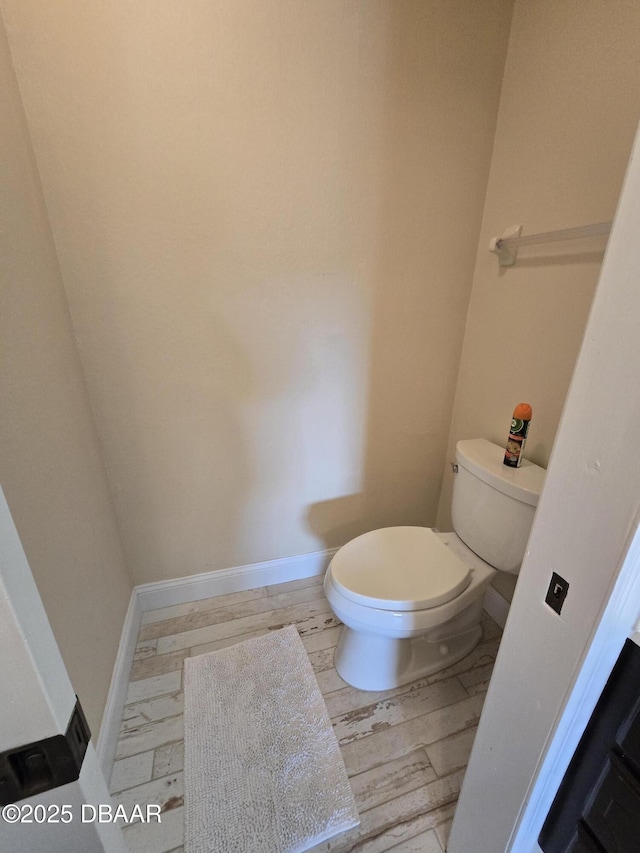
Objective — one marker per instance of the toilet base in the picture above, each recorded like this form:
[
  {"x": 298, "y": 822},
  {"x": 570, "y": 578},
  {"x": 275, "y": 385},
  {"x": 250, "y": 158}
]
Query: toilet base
[{"x": 374, "y": 662}]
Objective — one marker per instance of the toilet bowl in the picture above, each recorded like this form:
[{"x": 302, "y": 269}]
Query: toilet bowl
[
  {"x": 410, "y": 598},
  {"x": 440, "y": 616}
]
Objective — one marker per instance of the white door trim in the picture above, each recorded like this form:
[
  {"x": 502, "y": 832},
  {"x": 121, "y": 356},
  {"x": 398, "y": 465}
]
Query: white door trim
[
  {"x": 621, "y": 611},
  {"x": 39, "y": 703}
]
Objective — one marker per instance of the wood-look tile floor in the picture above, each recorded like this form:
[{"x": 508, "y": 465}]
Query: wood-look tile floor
[{"x": 405, "y": 750}]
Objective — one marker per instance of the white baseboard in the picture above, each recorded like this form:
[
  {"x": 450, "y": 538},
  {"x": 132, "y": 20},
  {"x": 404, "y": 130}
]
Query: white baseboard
[
  {"x": 496, "y": 606},
  {"x": 208, "y": 584},
  {"x": 151, "y": 596},
  {"x": 112, "y": 716}
]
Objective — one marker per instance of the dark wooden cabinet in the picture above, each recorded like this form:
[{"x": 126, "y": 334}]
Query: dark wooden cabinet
[
  {"x": 628, "y": 739},
  {"x": 582, "y": 842},
  {"x": 597, "y": 807},
  {"x": 612, "y": 812}
]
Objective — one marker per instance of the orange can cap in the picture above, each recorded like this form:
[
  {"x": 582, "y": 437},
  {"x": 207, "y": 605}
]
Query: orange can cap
[{"x": 523, "y": 412}]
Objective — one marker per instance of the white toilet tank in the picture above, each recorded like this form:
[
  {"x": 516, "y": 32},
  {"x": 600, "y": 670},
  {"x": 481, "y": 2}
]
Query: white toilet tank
[{"x": 493, "y": 505}]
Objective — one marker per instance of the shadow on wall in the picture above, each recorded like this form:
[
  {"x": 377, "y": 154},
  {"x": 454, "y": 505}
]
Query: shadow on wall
[
  {"x": 268, "y": 257},
  {"x": 431, "y": 199}
]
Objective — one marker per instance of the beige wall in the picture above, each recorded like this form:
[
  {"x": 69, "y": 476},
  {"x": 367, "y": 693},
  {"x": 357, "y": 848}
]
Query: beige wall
[
  {"x": 569, "y": 108},
  {"x": 51, "y": 469},
  {"x": 266, "y": 215},
  {"x": 551, "y": 671}
]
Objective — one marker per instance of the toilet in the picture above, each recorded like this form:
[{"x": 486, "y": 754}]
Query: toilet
[{"x": 410, "y": 598}]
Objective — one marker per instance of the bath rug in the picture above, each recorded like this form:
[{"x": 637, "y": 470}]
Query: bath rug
[{"x": 263, "y": 770}]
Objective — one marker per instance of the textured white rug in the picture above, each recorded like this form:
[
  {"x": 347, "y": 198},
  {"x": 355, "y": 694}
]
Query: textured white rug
[{"x": 263, "y": 770}]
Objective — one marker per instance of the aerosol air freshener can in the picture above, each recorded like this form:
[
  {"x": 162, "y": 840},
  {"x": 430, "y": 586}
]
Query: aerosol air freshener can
[{"x": 517, "y": 435}]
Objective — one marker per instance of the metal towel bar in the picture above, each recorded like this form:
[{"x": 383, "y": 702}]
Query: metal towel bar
[{"x": 506, "y": 247}]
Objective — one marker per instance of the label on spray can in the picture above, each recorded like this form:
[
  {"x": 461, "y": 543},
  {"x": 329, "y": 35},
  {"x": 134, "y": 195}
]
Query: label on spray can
[{"x": 517, "y": 435}]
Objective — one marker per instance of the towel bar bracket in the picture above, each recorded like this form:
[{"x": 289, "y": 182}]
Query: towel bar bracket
[{"x": 507, "y": 255}]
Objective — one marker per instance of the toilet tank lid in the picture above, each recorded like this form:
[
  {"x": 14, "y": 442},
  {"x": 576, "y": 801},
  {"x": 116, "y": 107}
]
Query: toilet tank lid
[{"x": 485, "y": 460}]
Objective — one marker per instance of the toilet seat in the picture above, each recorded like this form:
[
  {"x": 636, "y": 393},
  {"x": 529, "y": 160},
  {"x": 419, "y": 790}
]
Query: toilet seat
[{"x": 399, "y": 568}]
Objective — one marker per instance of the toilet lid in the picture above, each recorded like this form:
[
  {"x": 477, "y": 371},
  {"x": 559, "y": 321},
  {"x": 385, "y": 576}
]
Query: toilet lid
[{"x": 399, "y": 568}]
